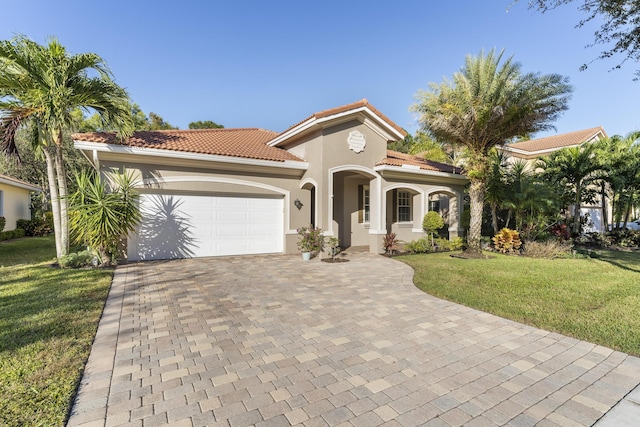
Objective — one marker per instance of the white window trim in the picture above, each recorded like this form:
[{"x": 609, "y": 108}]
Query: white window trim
[
  {"x": 366, "y": 205},
  {"x": 408, "y": 205}
]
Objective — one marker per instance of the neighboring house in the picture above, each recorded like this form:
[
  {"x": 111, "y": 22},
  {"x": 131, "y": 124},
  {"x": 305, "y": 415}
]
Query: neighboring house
[
  {"x": 246, "y": 191},
  {"x": 535, "y": 148},
  {"x": 15, "y": 200}
]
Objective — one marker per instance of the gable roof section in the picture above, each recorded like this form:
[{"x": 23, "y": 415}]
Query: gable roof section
[
  {"x": 5, "y": 179},
  {"x": 556, "y": 142},
  {"x": 395, "y": 158},
  {"x": 319, "y": 118},
  {"x": 244, "y": 143}
]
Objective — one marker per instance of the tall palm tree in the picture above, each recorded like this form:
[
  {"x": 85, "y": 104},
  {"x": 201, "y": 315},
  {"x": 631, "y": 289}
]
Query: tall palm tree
[
  {"x": 43, "y": 85},
  {"x": 576, "y": 170},
  {"x": 488, "y": 103}
]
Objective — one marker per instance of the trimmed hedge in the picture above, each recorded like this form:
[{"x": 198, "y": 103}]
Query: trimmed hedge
[{"x": 12, "y": 234}]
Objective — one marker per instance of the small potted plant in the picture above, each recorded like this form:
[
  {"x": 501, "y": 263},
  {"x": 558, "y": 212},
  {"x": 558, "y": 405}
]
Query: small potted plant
[{"x": 310, "y": 241}]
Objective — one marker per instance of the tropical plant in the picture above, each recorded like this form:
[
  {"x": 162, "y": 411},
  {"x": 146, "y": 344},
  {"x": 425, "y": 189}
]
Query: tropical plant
[
  {"x": 42, "y": 86},
  {"x": 526, "y": 196},
  {"x": 575, "y": 170},
  {"x": 620, "y": 161},
  {"x": 486, "y": 104},
  {"x": 496, "y": 184},
  {"x": 507, "y": 241},
  {"x": 103, "y": 214},
  {"x": 390, "y": 243}
]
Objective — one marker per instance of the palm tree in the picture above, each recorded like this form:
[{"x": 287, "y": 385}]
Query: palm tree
[
  {"x": 488, "y": 103},
  {"x": 620, "y": 158},
  {"x": 496, "y": 184},
  {"x": 42, "y": 86},
  {"x": 576, "y": 170},
  {"x": 526, "y": 196}
]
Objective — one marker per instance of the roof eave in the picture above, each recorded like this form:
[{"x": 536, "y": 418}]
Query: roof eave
[
  {"x": 119, "y": 149},
  {"x": 415, "y": 170},
  {"x": 20, "y": 184},
  {"x": 314, "y": 122}
]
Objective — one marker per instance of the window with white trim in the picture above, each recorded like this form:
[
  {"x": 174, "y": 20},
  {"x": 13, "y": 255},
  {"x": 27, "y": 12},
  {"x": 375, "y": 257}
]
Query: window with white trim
[
  {"x": 366, "y": 206},
  {"x": 403, "y": 204}
]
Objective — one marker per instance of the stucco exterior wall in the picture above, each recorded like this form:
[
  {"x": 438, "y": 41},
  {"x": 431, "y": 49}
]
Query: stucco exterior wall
[{"x": 14, "y": 205}]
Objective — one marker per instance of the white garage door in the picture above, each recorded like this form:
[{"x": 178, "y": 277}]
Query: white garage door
[{"x": 185, "y": 226}]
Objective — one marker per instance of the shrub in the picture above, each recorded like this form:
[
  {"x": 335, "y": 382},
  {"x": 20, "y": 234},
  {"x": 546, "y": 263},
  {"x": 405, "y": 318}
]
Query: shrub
[
  {"x": 431, "y": 223},
  {"x": 36, "y": 227},
  {"x": 390, "y": 243},
  {"x": 446, "y": 245},
  {"x": 310, "y": 239},
  {"x": 78, "y": 260},
  {"x": 12, "y": 234},
  {"x": 333, "y": 246},
  {"x": 549, "y": 249},
  {"x": 420, "y": 246},
  {"x": 3, "y": 222},
  {"x": 595, "y": 239},
  {"x": 507, "y": 241}
]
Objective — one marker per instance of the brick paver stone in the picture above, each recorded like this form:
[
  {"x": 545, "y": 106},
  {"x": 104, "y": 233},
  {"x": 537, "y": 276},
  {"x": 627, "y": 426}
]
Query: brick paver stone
[{"x": 275, "y": 341}]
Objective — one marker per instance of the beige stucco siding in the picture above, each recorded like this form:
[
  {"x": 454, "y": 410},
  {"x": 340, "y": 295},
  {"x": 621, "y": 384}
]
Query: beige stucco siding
[
  {"x": 209, "y": 181},
  {"x": 14, "y": 204}
]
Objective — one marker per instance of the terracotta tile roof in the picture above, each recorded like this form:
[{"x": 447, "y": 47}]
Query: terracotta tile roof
[
  {"x": 245, "y": 143},
  {"x": 558, "y": 141},
  {"x": 337, "y": 110},
  {"x": 395, "y": 158}
]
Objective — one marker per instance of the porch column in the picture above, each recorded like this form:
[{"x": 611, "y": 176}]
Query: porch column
[{"x": 377, "y": 228}]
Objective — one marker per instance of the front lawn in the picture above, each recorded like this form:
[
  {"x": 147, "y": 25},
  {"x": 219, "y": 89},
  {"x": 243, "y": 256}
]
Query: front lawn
[
  {"x": 592, "y": 299},
  {"x": 48, "y": 319}
]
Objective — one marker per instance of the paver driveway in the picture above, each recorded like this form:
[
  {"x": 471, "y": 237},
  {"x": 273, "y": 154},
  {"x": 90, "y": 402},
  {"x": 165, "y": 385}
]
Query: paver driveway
[{"x": 273, "y": 340}]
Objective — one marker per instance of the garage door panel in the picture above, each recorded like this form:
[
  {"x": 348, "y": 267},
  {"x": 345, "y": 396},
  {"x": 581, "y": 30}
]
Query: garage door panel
[{"x": 184, "y": 226}]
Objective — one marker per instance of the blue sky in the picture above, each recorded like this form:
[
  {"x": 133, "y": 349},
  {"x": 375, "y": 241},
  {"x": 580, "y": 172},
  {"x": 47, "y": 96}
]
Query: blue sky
[{"x": 269, "y": 64}]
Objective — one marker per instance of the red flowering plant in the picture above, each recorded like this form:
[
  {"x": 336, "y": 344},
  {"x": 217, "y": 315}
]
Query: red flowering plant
[{"x": 561, "y": 231}]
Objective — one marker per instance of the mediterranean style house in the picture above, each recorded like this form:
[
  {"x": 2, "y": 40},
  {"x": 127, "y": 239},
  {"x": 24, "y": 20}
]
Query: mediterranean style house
[
  {"x": 15, "y": 200},
  {"x": 246, "y": 191},
  {"x": 535, "y": 148}
]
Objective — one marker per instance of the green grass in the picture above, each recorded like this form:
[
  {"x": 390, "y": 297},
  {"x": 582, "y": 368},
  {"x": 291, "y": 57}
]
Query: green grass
[
  {"x": 48, "y": 319},
  {"x": 596, "y": 300}
]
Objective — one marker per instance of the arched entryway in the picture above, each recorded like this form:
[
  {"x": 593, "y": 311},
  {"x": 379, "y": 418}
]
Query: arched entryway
[
  {"x": 447, "y": 203},
  {"x": 354, "y": 206}
]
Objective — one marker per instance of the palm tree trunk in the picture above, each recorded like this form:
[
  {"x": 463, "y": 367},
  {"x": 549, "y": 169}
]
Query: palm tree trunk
[
  {"x": 55, "y": 200},
  {"x": 476, "y": 194},
  {"x": 494, "y": 218},
  {"x": 576, "y": 210},
  {"x": 62, "y": 190},
  {"x": 603, "y": 200}
]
